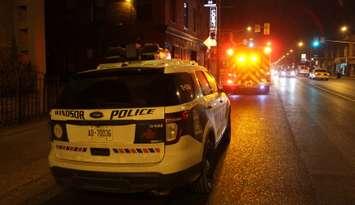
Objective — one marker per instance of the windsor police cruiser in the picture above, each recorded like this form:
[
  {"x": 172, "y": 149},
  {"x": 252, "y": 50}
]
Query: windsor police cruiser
[{"x": 136, "y": 127}]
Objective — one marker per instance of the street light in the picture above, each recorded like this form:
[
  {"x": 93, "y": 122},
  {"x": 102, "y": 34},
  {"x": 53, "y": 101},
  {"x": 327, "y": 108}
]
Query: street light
[
  {"x": 230, "y": 51},
  {"x": 300, "y": 44},
  {"x": 267, "y": 50},
  {"x": 249, "y": 28},
  {"x": 344, "y": 29},
  {"x": 251, "y": 44},
  {"x": 291, "y": 50}
]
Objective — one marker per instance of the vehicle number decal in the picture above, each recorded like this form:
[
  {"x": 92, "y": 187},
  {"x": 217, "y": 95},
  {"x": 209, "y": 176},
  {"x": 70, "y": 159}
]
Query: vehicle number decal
[
  {"x": 71, "y": 114},
  {"x": 103, "y": 133}
]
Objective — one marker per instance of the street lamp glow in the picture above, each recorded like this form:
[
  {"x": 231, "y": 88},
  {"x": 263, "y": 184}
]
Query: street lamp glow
[
  {"x": 300, "y": 44},
  {"x": 267, "y": 50},
  {"x": 291, "y": 50},
  {"x": 344, "y": 29},
  {"x": 230, "y": 52},
  {"x": 249, "y": 28}
]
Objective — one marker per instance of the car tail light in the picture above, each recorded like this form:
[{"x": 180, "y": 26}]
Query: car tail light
[
  {"x": 149, "y": 132},
  {"x": 176, "y": 125},
  {"x": 171, "y": 132}
]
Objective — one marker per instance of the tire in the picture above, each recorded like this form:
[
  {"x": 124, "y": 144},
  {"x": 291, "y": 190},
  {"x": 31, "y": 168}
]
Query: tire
[
  {"x": 266, "y": 91},
  {"x": 204, "y": 184},
  {"x": 227, "y": 135}
]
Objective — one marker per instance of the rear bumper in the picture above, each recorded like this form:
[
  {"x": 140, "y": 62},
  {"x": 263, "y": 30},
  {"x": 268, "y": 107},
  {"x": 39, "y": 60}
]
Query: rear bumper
[
  {"x": 180, "y": 164},
  {"x": 246, "y": 90},
  {"x": 124, "y": 182},
  {"x": 321, "y": 77}
]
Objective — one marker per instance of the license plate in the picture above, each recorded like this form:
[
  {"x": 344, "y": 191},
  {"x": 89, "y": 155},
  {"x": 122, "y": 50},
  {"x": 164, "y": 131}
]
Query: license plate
[{"x": 100, "y": 133}]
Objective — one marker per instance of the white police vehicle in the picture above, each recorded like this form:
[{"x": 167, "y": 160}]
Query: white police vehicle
[{"x": 139, "y": 126}]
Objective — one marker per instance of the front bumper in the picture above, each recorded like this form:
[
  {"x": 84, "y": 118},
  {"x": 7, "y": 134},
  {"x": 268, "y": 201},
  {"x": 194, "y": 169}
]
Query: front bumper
[{"x": 124, "y": 182}]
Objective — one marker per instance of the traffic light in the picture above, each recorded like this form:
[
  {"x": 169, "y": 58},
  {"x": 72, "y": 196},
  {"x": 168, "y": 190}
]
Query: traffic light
[{"x": 315, "y": 43}]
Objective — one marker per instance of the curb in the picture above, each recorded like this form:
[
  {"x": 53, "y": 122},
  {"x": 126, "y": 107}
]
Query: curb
[{"x": 18, "y": 129}]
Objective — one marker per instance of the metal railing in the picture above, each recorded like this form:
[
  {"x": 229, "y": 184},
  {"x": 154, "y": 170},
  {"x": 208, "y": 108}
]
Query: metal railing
[{"x": 26, "y": 96}]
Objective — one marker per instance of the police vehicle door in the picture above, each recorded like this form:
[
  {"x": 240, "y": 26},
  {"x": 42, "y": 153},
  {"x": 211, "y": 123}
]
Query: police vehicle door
[
  {"x": 221, "y": 107},
  {"x": 211, "y": 101}
]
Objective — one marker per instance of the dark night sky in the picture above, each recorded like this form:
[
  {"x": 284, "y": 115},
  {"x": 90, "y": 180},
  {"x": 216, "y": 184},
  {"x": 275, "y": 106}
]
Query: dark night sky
[{"x": 292, "y": 20}]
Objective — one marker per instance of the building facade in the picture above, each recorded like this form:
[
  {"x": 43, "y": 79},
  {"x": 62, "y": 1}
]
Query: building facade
[
  {"x": 340, "y": 56},
  {"x": 22, "y": 28},
  {"x": 79, "y": 33}
]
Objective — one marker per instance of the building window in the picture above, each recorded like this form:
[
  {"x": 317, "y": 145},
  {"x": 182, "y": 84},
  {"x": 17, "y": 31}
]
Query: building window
[
  {"x": 173, "y": 10},
  {"x": 186, "y": 15},
  {"x": 145, "y": 10},
  {"x": 195, "y": 19},
  {"x": 193, "y": 55}
]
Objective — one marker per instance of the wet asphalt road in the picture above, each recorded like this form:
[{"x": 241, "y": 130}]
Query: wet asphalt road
[{"x": 294, "y": 146}]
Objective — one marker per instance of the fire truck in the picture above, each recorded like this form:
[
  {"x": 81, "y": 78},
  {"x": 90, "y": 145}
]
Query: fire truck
[{"x": 246, "y": 70}]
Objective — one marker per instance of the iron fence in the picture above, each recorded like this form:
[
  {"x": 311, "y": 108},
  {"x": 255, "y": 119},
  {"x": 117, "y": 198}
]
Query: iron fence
[{"x": 25, "y": 96}]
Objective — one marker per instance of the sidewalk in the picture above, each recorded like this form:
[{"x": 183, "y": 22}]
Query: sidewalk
[
  {"x": 344, "y": 87},
  {"x": 343, "y": 77},
  {"x": 24, "y": 169},
  {"x": 21, "y": 128}
]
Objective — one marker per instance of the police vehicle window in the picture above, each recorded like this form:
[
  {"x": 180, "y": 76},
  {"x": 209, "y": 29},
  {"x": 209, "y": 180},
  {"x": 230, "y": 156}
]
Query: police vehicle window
[
  {"x": 133, "y": 89},
  {"x": 185, "y": 87},
  {"x": 212, "y": 82},
  {"x": 205, "y": 87}
]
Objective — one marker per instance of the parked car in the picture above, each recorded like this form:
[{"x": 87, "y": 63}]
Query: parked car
[
  {"x": 141, "y": 126},
  {"x": 319, "y": 74}
]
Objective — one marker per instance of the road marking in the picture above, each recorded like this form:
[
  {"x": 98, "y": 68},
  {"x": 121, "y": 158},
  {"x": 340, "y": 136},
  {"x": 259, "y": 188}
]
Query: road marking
[{"x": 333, "y": 93}]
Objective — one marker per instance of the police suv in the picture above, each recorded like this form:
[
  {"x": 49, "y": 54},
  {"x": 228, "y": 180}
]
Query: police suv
[{"x": 139, "y": 126}]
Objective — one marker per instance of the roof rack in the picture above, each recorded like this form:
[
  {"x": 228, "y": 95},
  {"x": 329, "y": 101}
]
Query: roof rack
[{"x": 147, "y": 63}]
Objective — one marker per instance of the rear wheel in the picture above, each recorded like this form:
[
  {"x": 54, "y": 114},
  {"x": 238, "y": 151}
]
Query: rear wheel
[
  {"x": 266, "y": 91},
  {"x": 204, "y": 183},
  {"x": 228, "y": 132}
]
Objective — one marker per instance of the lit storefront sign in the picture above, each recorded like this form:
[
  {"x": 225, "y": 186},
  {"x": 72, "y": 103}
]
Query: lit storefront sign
[
  {"x": 213, "y": 23},
  {"x": 210, "y": 3},
  {"x": 213, "y": 18}
]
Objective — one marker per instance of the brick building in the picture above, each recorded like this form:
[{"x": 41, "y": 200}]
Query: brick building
[
  {"x": 22, "y": 28},
  {"x": 80, "y": 32}
]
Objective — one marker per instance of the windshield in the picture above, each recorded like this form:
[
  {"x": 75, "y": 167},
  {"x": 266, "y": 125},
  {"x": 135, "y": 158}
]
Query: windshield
[{"x": 133, "y": 89}]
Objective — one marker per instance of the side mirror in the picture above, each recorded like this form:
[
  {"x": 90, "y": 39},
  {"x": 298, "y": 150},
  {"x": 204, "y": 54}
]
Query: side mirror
[{"x": 220, "y": 89}]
